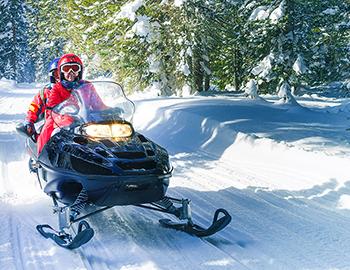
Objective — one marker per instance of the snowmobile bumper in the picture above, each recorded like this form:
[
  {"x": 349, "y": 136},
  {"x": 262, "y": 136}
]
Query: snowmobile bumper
[
  {"x": 105, "y": 190},
  {"x": 126, "y": 190}
]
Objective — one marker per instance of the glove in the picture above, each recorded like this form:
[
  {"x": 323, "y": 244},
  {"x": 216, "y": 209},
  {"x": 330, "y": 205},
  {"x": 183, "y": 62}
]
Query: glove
[{"x": 30, "y": 129}]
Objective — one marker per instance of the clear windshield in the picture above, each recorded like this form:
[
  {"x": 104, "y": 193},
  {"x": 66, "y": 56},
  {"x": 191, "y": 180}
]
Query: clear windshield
[{"x": 94, "y": 102}]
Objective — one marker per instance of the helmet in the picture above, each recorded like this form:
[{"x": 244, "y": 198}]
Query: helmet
[
  {"x": 53, "y": 64},
  {"x": 70, "y": 58},
  {"x": 52, "y": 67}
]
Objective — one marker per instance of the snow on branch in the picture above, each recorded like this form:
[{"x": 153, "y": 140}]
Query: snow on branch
[
  {"x": 260, "y": 13},
  {"x": 264, "y": 12},
  {"x": 299, "y": 66},
  {"x": 264, "y": 67},
  {"x": 331, "y": 11},
  {"x": 179, "y": 3},
  {"x": 129, "y": 10},
  {"x": 277, "y": 13}
]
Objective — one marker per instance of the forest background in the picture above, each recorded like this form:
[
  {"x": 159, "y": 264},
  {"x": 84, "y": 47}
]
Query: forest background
[{"x": 178, "y": 46}]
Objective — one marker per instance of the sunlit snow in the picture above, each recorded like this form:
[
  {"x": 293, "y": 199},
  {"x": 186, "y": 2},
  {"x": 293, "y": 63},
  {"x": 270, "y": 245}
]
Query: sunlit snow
[{"x": 280, "y": 169}]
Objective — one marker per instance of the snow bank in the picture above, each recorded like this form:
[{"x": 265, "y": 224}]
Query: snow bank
[
  {"x": 251, "y": 89},
  {"x": 294, "y": 165},
  {"x": 6, "y": 84}
]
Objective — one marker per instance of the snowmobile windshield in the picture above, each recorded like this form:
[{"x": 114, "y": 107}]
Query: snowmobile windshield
[{"x": 94, "y": 102}]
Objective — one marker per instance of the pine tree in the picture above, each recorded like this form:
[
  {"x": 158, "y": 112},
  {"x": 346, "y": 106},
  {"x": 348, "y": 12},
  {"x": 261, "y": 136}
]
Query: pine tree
[
  {"x": 14, "y": 51},
  {"x": 47, "y": 33},
  {"x": 193, "y": 44}
]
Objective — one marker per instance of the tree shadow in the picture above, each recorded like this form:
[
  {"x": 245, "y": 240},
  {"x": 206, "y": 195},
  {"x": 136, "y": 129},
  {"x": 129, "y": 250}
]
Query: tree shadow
[{"x": 12, "y": 145}]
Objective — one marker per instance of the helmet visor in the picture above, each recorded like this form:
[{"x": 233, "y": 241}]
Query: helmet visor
[{"x": 70, "y": 66}]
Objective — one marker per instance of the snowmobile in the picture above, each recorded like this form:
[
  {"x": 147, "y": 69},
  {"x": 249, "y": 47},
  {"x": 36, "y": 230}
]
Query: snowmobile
[{"x": 96, "y": 160}]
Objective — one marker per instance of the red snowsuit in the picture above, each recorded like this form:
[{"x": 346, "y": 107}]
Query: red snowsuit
[
  {"x": 37, "y": 107},
  {"x": 57, "y": 95}
]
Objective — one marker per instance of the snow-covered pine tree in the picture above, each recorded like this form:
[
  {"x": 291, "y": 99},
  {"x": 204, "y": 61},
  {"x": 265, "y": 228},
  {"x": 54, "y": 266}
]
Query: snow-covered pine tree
[
  {"x": 47, "y": 33},
  {"x": 327, "y": 41},
  {"x": 172, "y": 45},
  {"x": 16, "y": 63},
  {"x": 268, "y": 52},
  {"x": 312, "y": 46},
  {"x": 99, "y": 33},
  {"x": 222, "y": 25},
  {"x": 143, "y": 44}
]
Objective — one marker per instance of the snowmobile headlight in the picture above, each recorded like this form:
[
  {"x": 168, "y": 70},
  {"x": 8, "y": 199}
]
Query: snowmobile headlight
[{"x": 115, "y": 130}]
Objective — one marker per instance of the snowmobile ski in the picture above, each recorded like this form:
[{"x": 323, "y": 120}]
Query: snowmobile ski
[
  {"x": 191, "y": 228},
  {"x": 84, "y": 234}
]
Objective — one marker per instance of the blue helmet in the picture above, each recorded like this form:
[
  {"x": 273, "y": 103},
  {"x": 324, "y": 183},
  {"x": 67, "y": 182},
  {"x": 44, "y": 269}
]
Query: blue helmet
[
  {"x": 53, "y": 64},
  {"x": 52, "y": 67}
]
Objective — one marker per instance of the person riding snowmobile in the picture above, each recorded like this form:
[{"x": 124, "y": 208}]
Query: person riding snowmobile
[
  {"x": 70, "y": 69},
  {"x": 37, "y": 107}
]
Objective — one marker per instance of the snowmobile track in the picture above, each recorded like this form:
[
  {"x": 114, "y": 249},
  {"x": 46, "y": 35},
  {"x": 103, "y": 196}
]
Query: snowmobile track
[
  {"x": 228, "y": 254},
  {"x": 16, "y": 244}
]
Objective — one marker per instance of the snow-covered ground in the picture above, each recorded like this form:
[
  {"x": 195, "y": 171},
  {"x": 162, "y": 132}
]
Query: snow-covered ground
[{"x": 280, "y": 170}]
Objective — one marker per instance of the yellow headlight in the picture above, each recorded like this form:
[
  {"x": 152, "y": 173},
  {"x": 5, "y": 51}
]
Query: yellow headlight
[{"x": 116, "y": 130}]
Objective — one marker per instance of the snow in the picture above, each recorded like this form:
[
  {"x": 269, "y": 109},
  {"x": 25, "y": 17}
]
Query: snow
[
  {"x": 263, "y": 12},
  {"x": 285, "y": 94},
  {"x": 264, "y": 67},
  {"x": 344, "y": 202},
  {"x": 299, "y": 65},
  {"x": 186, "y": 90},
  {"x": 184, "y": 68},
  {"x": 260, "y": 13},
  {"x": 154, "y": 90},
  {"x": 281, "y": 170},
  {"x": 277, "y": 13},
  {"x": 330, "y": 11},
  {"x": 154, "y": 63},
  {"x": 179, "y": 3},
  {"x": 142, "y": 26},
  {"x": 251, "y": 89},
  {"x": 129, "y": 10}
]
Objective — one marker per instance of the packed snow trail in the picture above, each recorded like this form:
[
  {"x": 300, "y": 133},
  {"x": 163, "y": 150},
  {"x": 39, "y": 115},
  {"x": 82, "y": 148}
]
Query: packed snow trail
[
  {"x": 287, "y": 202},
  {"x": 280, "y": 171}
]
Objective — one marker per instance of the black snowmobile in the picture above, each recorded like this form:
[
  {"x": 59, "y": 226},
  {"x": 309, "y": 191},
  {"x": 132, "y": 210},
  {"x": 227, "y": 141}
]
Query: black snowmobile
[{"x": 95, "y": 160}]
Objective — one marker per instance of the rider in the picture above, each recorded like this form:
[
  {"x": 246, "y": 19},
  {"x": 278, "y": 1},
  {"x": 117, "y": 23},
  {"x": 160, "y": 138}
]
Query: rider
[
  {"x": 70, "y": 69},
  {"x": 36, "y": 111}
]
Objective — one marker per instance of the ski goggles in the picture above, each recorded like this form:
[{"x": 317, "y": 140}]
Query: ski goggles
[{"x": 71, "y": 67}]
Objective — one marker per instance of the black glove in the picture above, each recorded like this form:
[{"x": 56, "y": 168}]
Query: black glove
[{"x": 30, "y": 129}]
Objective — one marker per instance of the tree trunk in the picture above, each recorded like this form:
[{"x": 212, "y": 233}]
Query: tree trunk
[
  {"x": 197, "y": 71},
  {"x": 206, "y": 82}
]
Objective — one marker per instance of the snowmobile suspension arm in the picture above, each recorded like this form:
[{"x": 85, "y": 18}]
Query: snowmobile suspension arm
[
  {"x": 91, "y": 214},
  {"x": 166, "y": 205}
]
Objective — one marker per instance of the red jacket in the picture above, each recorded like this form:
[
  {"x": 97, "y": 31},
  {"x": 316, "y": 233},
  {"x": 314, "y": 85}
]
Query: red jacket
[
  {"x": 57, "y": 95},
  {"x": 37, "y": 107}
]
